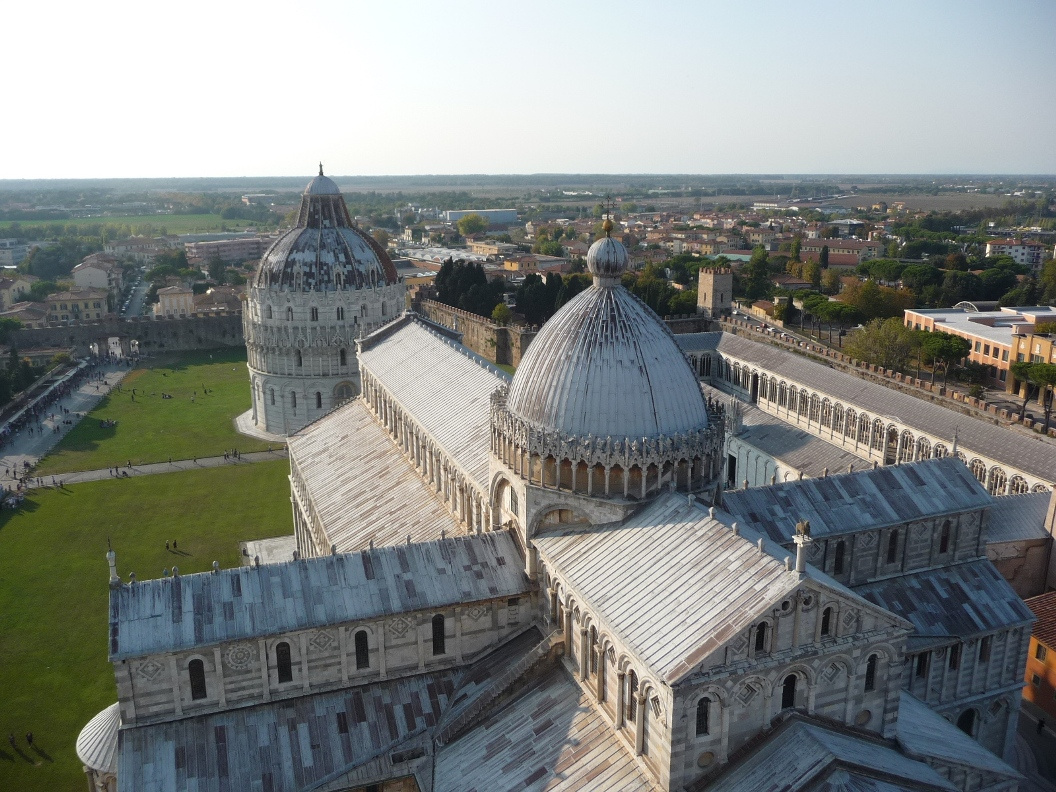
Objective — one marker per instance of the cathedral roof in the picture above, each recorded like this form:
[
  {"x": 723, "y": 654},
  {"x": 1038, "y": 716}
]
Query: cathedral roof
[
  {"x": 361, "y": 485},
  {"x": 444, "y": 386},
  {"x": 858, "y": 501},
  {"x": 959, "y": 600},
  {"x": 606, "y": 365},
  {"x": 699, "y": 582},
  {"x": 175, "y": 613},
  {"x": 325, "y": 251}
]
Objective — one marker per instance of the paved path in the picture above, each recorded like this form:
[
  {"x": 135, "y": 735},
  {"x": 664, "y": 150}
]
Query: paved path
[
  {"x": 161, "y": 467},
  {"x": 29, "y": 445}
]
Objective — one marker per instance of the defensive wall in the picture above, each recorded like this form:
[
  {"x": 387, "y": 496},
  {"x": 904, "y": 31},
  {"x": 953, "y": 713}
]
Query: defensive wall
[
  {"x": 170, "y": 334},
  {"x": 506, "y": 345}
]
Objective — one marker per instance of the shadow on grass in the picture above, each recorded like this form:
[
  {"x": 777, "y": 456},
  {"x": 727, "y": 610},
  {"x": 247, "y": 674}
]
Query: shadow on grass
[{"x": 41, "y": 753}]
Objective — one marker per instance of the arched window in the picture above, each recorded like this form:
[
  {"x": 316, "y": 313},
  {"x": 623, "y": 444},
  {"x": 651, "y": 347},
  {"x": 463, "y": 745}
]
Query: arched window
[
  {"x": 438, "y": 634},
  {"x": 788, "y": 692},
  {"x": 383, "y": 311},
  {"x": 271, "y": 391},
  {"x": 363, "y": 311},
  {"x": 289, "y": 314},
  {"x": 340, "y": 314},
  {"x": 593, "y": 650},
  {"x": 293, "y": 402},
  {"x": 314, "y": 314},
  {"x": 760, "y": 637},
  {"x": 283, "y": 663},
  {"x": 892, "y": 547},
  {"x": 703, "y": 716},
  {"x": 267, "y": 312},
  {"x": 632, "y": 696},
  {"x": 966, "y": 722},
  {"x": 837, "y": 419},
  {"x": 826, "y": 621},
  {"x": 838, "y": 554},
  {"x": 362, "y": 650},
  {"x": 944, "y": 537},
  {"x": 344, "y": 358},
  {"x": 318, "y": 400},
  {"x": 196, "y": 671},
  {"x": 870, "y": 673},
  {"x": 297, "y": 357}
]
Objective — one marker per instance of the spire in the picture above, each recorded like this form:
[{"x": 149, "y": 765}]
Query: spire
[{"x": 320, "y": 168}]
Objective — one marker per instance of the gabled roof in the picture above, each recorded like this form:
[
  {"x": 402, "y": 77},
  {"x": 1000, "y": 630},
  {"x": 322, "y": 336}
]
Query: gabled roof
[
  {"x": 442, "y": 384},
  {"x": 293, "y": 744},
  {"x": 859, "y": 501},
  {"x": 551, "y": 738},
  {"x": 1018, "y": 517},
  {"x": 1016, "y": 450},
  {"x": 802, "y": 755},
  {"x": 170, "y": 614},
  {"x": 959, "y": 600},
  {"x": 673, "y": 583},
  {"x": 361, "y": 485},
  {"x": 924, "y": 734}
]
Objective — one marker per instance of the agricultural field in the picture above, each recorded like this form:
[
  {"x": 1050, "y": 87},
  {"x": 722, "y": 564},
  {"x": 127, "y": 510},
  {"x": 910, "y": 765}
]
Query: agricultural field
[
  {"x": 158, "y": 224},
  {"x": 150, "y": 428},
  {"x": 54, "y": 672}
]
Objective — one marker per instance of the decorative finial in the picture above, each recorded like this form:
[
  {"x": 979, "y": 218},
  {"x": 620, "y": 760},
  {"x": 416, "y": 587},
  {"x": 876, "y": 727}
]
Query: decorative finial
[
  {"x": 607, "y": 226},
  {"x": 320, "y": 168}
]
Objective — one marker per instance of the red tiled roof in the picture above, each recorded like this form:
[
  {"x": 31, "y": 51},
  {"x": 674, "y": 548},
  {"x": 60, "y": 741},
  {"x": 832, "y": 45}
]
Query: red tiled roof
[{"x": 1044, "y": 607}]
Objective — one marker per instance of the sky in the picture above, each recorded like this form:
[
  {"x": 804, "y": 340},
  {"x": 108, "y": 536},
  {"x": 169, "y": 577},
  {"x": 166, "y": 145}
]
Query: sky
[{"x": 224, "y": 88}]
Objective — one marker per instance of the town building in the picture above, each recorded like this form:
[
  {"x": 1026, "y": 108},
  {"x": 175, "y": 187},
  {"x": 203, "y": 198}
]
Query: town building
[
  {"x": 15, "y": 288},
  {"x": 855, "y": 250},
  {"x": 77, "y": 305},
  {"x": 174, "y": 301},
  {"x": 14, "y": 251},
  {"x": 493, "y": 216},
  {"x": 100, "y": 271},
  {"x": 998, "y": 337},
  {"x": 537, "y": 581},
  {"x": 1040, "y": 687},
  {"x": 320, "y": 286},
  {"x": 227, "y": 250},
  {"x": 140, "y": 249},
  {"x": 30, "y": 314},
  {"x": 1029, "y": 254}
]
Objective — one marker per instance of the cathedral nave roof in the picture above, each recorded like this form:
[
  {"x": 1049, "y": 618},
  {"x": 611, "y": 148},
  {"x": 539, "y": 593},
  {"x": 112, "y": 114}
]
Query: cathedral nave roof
[
  {"x": 441, "y": 384},
  {"x": 362, "y": 487},
  {"x": 184, "y": 612}
]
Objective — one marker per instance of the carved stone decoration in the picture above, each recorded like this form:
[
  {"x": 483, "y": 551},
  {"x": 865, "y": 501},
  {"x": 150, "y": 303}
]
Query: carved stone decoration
[
  {"x": 739, "y": 645},
  {"x": 239, "y": 656},
  {"x": 849, "y": 618},
  {"x": 399, "y": 626},
  {"x": 832, "y": 673},
  {"x": 866, "y": 540},
  {"x": 322, "y": 640},
  {"x": 150, "y": 670},
  {"x": 477, "y": 612},
  {"x": 748, "y": 692}
]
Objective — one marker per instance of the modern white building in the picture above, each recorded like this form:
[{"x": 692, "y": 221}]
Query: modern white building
[{"x": 319, "y": 287}]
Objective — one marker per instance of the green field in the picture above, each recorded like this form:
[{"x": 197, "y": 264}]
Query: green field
[
  {"x": 152, "y": 429},
  {"x": 169, "y": 224},
  {"x": 54, "y": 674}
]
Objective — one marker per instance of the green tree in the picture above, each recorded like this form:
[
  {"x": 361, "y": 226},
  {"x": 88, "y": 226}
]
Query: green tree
[
  {"x": 381, "y": 236},
  {"x": 216, "y": 269},
  {"x": 812, "y": 273},
  {"x": 1040, "y": 377},
  {"x": 471, "y": 224},
  {"x": 797, "y": 244},
  {"x": 757, "y": 285},
  {"x": 830, "y": 281},
  {"x": 883, "y": 342},
  {"x": 823, "y": 257},
  {"x": 502, "y": 315},
  {"x": 943, "y": 350}
]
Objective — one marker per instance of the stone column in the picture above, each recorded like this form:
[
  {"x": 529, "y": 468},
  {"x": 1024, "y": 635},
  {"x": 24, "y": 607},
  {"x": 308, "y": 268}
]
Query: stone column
[
  {"x": 584, "y": 654},
  {"x": 639, "y": 725},
  {"x": 620, "y": 689}
]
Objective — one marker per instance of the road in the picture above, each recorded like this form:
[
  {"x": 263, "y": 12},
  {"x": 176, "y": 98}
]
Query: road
[{"x": 138, "y": 297}]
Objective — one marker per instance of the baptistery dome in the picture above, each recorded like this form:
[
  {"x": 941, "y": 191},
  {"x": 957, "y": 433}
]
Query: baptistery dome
[
  {"x": 321, "y": 285},
  {"x": 324, "y": 251},
  {"x": 606, "y": 365}
]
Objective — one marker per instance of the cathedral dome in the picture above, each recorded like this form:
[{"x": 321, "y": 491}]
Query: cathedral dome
[
  {"x": 324, "y": 251},
  {"x": 97, "y": 742},
  {"x": 606, "y": 365}
]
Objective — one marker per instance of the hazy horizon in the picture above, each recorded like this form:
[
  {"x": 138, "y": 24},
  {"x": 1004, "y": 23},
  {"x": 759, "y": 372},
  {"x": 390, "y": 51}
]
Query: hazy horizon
[{"x": 818, "y": 88}]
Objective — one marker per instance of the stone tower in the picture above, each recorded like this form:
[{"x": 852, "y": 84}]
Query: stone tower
[
  {"x": 715, "y": 291},
  {"x": 323, "y": 284}
]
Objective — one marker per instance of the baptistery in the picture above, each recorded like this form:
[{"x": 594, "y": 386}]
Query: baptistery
[{"x": 320, "y": 286}]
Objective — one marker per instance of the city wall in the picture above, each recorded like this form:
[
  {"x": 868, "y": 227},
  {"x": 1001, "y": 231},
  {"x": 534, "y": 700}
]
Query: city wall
[
  {"x": 176, "y": 334},
  {"x": 507, "y": 345}
]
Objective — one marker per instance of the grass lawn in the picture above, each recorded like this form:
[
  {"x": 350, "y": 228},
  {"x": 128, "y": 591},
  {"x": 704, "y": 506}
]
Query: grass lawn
[
  {"x": 152, "y": 429},
  {"x": 54, "y": 673}
]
